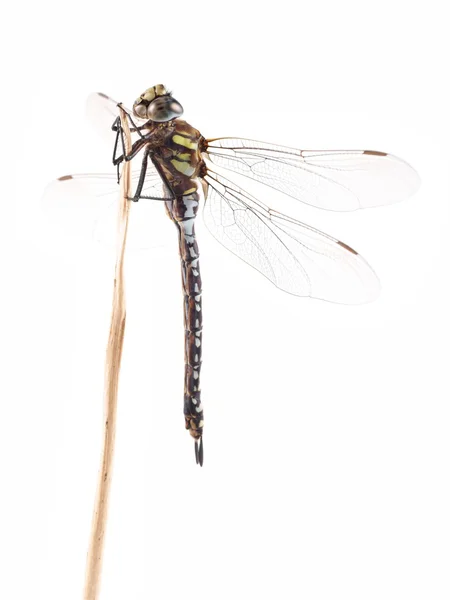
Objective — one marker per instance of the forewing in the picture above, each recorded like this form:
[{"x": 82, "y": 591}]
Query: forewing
[
  {"x": 293, "y": 256},
  {"x": 340, "y": 180},
  {"x": 102, "y": 111}
]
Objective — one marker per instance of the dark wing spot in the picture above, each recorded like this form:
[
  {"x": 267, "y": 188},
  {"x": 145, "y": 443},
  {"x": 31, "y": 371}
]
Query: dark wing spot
[
  {"x": 375, "y": 153},
  {"x": 102, "y": 95},
  {"x": 65, "y": 177},
  {"x": 347, "y": 247}
]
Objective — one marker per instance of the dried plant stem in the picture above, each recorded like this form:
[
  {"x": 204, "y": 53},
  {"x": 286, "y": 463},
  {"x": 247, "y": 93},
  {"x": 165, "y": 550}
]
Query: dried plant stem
[{"x": 112, "y": 368}]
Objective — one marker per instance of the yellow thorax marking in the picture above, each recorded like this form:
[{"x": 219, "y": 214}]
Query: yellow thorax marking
[
  {"x": 184, "y": 156},
  {"x": 182, "y": 141},
  {"x": 189, "y": 191},
  {"x": 183, "y": 167}
]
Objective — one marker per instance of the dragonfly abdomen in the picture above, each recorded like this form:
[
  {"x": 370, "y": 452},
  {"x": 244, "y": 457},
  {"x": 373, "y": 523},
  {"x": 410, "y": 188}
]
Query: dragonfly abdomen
[{"x": 182, "y": 211}]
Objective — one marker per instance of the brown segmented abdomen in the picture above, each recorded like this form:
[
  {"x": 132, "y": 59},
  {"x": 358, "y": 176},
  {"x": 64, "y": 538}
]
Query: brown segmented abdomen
[{"x": 183, "y": 210}]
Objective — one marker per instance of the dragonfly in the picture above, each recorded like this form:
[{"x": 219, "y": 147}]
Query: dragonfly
[{"x": 173, "y": 163}]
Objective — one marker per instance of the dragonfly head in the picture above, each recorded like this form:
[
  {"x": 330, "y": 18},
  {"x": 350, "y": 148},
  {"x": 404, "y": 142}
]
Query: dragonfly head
[{"x": 157, "y": 104}]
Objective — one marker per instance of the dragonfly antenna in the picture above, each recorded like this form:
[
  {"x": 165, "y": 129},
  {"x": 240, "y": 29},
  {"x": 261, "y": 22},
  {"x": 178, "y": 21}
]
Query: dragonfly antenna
[{"x": 112, "y": 369}]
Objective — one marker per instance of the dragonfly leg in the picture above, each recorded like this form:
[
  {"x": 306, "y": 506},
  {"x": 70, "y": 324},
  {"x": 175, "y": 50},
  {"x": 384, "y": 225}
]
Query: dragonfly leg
[
  {"x": 136, "y": 148},
  {"x": 138, "y": 193},
  {"x": 116, "y": 126},
  {"x": 140, "y": 185},
  {"x": 135, "y": 128}
]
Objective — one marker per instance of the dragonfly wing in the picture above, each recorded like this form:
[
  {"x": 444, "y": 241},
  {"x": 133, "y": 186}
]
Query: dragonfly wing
[
  {"x": 293, "y": 256},
  {"x": 86, "y": 205},
  {"x": 102, "y": 111},
  {"x": 340, "y": 180}
]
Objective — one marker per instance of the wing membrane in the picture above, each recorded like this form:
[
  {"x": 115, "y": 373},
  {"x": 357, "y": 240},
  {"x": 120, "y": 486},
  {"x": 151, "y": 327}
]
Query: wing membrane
[
  {"x": 340, "y": 180},
  {"x": 86, "y": 205},
  {"x": 293, "y": 256},
  {"x": 101, "y": 111}
]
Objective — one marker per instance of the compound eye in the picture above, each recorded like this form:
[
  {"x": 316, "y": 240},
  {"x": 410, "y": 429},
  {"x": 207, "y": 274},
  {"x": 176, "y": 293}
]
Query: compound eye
[
  {"x": 140, "y": 110},
  {"x": 163, "y": 109}
]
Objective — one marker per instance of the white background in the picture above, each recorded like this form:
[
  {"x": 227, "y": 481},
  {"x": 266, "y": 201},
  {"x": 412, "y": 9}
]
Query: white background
[{"x": 326, "y": 436}]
